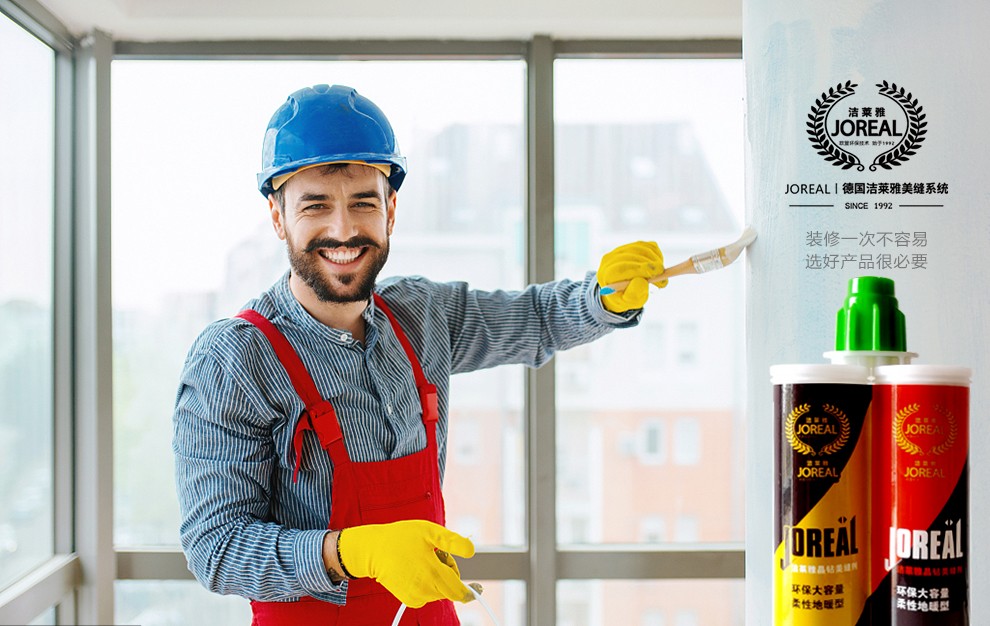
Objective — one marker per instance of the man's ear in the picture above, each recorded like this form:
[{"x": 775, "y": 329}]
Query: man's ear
[
  {"x": 390, "y": 215},
  {"x": 276, "y": 213}
]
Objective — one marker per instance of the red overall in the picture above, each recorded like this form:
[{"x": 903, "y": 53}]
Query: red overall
[{"x": 362, "y": 493}]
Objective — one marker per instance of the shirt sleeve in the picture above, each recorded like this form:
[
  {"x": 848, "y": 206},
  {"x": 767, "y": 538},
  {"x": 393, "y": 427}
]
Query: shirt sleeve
[
  {"x": 224, "y": 459},
  {"x": 528, "y": 326}
]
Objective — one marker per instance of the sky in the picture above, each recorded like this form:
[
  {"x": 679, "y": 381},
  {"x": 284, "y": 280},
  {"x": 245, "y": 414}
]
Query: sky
[{"x": 26, "y": 139}]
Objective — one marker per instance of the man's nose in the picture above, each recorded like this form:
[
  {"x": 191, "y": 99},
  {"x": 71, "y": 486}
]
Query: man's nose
[{"x": 340, "y": 224}]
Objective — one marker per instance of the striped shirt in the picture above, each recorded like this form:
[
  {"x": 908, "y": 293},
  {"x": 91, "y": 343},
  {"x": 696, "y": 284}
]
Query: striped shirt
[{"x": 246, "y": 528}]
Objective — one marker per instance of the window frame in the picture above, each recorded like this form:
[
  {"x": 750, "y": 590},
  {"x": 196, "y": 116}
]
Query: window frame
[
  {"x": 53, "y": 583},
  {"x": 83, "y": 383}
]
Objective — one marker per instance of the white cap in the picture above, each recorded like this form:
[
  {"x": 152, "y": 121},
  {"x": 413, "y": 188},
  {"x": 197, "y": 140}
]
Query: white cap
[
  {"x": 819, "y": 373},
  {"x": 953, "y": 375}
]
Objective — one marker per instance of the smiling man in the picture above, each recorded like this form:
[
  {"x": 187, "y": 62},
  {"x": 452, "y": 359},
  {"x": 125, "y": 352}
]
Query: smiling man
[{"x": 310, "y": 429}]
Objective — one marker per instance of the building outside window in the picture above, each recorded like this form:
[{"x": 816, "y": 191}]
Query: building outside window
[{"x": 651, "y": 150}]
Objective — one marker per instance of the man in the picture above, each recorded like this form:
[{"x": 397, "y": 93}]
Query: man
[{"x": 308, "y": 427}]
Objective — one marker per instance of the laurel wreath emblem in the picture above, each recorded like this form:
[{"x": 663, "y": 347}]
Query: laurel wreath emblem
[
  {"x": 792, "y": 418},
  {"x": 902, "y": 441},
  {"x": 953, "y": 431},
  {"x": 911, "y": 447},
  {"x": 820, "y": 138},
  {"x": 803, "y": 447},
  {"x": 914, "y": 134},
  {"x": 843, "y": 437},
  {"x": 905, "y": 148}
]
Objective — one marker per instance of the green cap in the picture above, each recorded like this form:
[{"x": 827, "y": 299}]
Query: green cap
[{"x": 869, "y": 319}]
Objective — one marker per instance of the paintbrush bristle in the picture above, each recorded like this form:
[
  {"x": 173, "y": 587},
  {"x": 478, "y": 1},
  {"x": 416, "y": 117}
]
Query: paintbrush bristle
[{"x": 733, "y": 249}]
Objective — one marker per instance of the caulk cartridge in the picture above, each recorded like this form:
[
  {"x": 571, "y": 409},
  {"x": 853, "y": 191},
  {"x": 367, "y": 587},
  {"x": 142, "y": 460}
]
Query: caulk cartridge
[
  {"x": 870, "y": 330},
  {"x": 821, "y": 495}
]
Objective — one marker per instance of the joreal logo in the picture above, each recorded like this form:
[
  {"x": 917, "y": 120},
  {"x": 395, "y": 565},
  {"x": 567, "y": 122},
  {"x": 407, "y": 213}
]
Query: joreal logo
[
  {"x": 884, "y": 128},
  {"x": 817, "y": 433},
  {"x": 925, "y": 545},
  {"x": 922, "y": 432},
  {"x": 818, "y": 543}
]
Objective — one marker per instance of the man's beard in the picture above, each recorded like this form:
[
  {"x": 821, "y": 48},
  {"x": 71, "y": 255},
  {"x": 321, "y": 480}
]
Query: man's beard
[{"x": 307, "y": 264}]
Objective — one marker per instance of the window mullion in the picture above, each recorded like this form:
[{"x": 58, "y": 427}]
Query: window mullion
[
  {"x": 92, "y": 332},
  {"x": 540, "y": 409}
]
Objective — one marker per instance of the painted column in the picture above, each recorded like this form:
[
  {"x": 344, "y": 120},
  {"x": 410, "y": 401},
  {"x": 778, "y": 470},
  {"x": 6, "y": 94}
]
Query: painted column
[{"x": 866, "y": 156}]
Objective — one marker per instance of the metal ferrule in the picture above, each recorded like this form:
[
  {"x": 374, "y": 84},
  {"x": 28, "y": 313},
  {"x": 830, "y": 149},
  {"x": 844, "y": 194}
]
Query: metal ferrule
[{"x": 707, "y": 261}]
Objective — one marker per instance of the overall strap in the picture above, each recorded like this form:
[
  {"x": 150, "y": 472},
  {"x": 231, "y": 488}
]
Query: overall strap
[
  {"x": 427, "y": 391},
  {"x": 319, "y": 415}
]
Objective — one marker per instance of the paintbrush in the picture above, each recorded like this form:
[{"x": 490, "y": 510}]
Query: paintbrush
[{"x": 698, "y": 264}]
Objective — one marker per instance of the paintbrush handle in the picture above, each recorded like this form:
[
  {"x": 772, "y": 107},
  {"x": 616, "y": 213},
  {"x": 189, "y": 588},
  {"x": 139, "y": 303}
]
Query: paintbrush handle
[
  {"x": 698, "y": 264},
  {"x": 684, "y": 267}
]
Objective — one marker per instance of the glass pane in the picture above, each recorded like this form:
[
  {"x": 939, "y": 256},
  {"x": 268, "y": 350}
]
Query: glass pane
[
  {"x": 186, "y": 146},
  {"x": 650, "y": 419},
  {"x": 505, "y": 598},
  {"x": 176, "y": 603},
  {"x": 179, "y": 603},
  {"x": 650, "y": 603},
  {"x": 26, "y": 286},
  {"x": 47, "y": 618}
]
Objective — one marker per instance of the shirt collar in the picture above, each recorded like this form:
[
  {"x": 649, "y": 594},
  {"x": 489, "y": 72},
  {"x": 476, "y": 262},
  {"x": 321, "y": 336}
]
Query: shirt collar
[{"x": 290, "y": 309}]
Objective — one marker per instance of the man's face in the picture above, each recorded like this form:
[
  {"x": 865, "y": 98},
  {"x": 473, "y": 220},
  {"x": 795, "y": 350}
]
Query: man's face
[{"x": 336, "y": 226}]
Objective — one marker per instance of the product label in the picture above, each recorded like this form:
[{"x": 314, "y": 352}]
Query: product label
[
  {"x": 822, "y": 503},
  {"x": 920, "y": 515}
]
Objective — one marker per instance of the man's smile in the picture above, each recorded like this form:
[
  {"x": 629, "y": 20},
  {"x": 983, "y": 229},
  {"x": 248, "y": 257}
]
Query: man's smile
[{"x": 342, "y": 255}]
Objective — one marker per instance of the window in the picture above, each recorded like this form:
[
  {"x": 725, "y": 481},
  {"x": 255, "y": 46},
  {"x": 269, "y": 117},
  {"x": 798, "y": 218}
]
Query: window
[
  {"x": 466, "y": 443},
  {"x": 653, "y": 441},
  {"x": 687, "y": 441},
  {"x": 687, "y": 343},
  {"x": 648, "y": 166},
  {"x": 686, "y": 618},
  {"x": 26, "y": 302},
  {"x": 45, "y": 619},
  {"x": 686, "y": 530},
  {"x": 192, "y": 189},
  {"x": 653, "y": 529},
  {"x": 667, "y": 603},
  {"x": 191, "y": 243},
  {"x": 624, "y": 171},
  {"x": 186, "y": 602},
  {"x": 175, "y": 602},
  {"x": 679, "y": 159},
  {"x": 653, "y": 618}
]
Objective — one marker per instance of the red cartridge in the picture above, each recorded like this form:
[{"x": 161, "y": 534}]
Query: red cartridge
[{"x": 920, "y": 496}]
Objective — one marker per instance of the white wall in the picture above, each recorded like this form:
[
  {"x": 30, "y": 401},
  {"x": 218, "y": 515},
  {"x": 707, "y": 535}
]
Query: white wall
[{"x": 794, "y": 51}]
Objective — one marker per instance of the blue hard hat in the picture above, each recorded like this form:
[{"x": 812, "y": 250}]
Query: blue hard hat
[{"x": 323, "y": 124}]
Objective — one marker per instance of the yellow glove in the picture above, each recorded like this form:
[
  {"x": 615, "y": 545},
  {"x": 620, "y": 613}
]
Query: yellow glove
[
  {"x": 635, "y": 262},
  {"x": 402, "y": 557}
]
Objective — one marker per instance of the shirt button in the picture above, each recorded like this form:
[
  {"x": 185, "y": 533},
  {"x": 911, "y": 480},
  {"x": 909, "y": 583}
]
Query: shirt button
[
  {"x": 388, "y": 407},
  {"x": 343, "y": 336}
]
